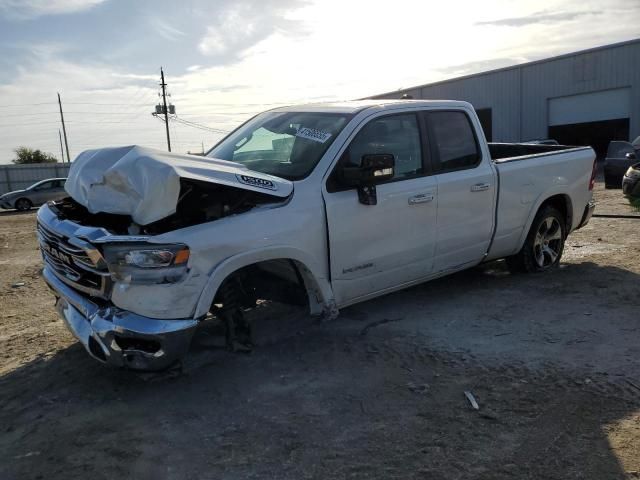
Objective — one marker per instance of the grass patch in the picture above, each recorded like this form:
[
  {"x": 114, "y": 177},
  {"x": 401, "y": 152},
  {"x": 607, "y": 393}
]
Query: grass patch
[{"x": 635, "y": 203}]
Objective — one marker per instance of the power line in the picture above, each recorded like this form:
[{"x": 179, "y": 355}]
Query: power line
[
  {"x": 69, "y": 112},
  {"x": 199, "y": 125},
  {"x": 27, "y": 104}
]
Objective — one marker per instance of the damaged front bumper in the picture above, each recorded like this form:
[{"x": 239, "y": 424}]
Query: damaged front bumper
[{"x": 118, "y": 337}]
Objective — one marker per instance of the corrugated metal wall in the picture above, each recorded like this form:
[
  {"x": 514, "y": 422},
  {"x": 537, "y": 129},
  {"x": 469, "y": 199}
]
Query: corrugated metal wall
[
  {"x": 17, "y": 177},
  {"x": 519, "y": 95}
]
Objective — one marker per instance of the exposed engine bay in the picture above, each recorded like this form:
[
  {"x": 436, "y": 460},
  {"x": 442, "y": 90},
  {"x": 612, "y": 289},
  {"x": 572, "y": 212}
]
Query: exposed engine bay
[{"x": 199, "y": 202}]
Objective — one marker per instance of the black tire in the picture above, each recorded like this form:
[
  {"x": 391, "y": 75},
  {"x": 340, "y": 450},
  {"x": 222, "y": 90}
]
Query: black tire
[
  {"x": 23, "y": 204},
  {"x": 238, "y": 331},
  {"x": 544, "y": 245}
]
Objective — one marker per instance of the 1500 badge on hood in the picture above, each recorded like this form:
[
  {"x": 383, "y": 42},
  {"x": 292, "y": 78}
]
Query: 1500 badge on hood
[{"x": 257, "y": 182}]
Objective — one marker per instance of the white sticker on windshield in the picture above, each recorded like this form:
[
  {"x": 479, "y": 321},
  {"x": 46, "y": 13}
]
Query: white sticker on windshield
[{"x": 313, "y": 134}]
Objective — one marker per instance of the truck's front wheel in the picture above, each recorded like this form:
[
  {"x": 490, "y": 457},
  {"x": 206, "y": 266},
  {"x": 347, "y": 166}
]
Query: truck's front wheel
[{"x": 544, "y": 245}]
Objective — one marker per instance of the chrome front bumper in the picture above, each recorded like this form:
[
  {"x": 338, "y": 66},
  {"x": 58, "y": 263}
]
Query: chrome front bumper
[{"x": 118, "y": 337}]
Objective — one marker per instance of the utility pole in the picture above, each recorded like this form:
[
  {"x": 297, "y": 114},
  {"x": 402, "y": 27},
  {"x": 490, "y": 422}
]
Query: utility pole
[
  {"x": 64, "y": 130},
  {"x": 61, "y": 150},
  {"x": 165, "y": 110}
]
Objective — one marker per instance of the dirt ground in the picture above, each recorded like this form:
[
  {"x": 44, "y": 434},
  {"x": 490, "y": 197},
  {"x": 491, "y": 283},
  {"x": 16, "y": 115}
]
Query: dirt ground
[{"x": 553, "y": 361}]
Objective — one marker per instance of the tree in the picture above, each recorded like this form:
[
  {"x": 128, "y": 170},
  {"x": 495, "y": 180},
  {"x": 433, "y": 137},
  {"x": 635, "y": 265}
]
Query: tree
[{"x": 29, "y": 155}]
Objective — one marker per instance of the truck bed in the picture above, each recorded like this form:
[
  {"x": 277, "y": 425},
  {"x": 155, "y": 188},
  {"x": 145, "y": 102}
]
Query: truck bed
[{"x": 548, "y": 170}]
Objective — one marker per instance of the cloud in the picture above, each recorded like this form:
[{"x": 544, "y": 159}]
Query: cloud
[
  {"x": 27, "y": 9},
  {"x": 166, "y": 31},
  {"x": 537, "y": 18},
  {"x": 241, "y": 25}
]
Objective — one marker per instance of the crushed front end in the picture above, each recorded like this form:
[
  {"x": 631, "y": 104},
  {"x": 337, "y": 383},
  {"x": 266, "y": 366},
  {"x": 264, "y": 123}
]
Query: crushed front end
[{"x": 83, "y": 282}]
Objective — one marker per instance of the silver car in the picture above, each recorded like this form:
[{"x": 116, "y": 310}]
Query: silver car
[{"x": 36, "y": 194}]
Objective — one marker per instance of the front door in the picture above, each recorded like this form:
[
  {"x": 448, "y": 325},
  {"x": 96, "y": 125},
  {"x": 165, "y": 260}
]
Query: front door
[{"x": 376, "y": 247}]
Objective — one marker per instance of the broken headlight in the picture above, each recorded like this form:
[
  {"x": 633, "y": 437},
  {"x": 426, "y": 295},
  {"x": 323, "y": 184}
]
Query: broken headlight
[{"x": 146, "y": 263}]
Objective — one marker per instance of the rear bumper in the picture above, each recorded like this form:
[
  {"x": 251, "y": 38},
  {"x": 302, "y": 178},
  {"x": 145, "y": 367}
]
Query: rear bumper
[
  {"x": 588, "y": 212},
  {"x": 118, "y": 337}
]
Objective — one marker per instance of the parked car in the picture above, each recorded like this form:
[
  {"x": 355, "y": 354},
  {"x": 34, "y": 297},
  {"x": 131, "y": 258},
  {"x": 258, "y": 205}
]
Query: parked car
[
  {"x": 328, "y": 204},
  {"x": 620, "y": 156},
  {"x": 631, "y": 181},
  {"x": 35, "y": 195}
]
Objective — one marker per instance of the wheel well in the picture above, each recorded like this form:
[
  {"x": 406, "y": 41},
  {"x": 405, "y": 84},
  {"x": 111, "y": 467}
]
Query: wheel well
[
  {"x": 562, "y": 203},
  {"x": 283, "y": 280}
]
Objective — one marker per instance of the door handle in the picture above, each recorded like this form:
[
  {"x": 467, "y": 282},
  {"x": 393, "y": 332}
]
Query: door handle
[
  {"x": 421, "y": 198},
  {"x": 480, "y": 187}
]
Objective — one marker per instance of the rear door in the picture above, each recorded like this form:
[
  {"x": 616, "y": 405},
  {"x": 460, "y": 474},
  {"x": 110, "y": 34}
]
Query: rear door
[
  {"x": 376, "y": 247},
  {"x": 466, "y": 190}
]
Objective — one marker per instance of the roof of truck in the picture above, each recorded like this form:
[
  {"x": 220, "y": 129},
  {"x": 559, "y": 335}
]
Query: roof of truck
[{"x": 355, "y": 106}]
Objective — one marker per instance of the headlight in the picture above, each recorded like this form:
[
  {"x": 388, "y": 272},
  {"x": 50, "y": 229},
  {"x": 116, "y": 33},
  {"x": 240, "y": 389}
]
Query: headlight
[{"x": 146, "y": 263}]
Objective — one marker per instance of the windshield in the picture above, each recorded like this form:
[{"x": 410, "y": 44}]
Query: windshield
[{"x": 285, "y": 144}]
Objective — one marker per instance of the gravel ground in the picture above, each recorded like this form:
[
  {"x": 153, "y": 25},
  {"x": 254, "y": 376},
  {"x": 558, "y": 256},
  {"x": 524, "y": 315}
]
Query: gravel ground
[{"x": 552, "y": 360}]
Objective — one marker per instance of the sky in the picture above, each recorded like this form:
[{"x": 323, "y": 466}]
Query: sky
[{"x": 226, "y": 60}]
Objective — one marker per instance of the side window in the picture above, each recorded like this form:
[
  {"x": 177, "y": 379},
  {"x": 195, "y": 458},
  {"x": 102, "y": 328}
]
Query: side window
[
  {"x": 454, "y": 141},
  {"x": 43, "y": 186},
  {"x": 398, "y": 135}
]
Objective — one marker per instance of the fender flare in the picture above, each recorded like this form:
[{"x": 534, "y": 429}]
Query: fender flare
[
  {"x": 552, "y": 192},
  {"x": 317, "y": 285}
]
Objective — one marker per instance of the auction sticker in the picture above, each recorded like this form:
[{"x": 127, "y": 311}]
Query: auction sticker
[{"x": 313, "y": 134}]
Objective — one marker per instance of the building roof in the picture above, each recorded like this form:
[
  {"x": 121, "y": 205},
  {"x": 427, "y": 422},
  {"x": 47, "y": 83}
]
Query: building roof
[{"x": 512, "y": 67}]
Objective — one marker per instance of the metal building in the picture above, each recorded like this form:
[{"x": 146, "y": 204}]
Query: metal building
[{"x": 588, "y": 97}]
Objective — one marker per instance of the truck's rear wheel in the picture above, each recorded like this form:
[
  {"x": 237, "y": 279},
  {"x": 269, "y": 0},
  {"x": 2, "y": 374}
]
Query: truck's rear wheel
[{"x": 544, "y": 245}]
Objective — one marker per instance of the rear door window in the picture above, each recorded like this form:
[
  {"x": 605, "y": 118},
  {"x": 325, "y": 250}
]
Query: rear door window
[{"x": 454, "y": 140}]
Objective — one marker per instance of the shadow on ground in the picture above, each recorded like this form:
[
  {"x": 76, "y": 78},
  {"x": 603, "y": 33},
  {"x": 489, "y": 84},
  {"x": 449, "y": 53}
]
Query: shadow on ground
[{"x": 357, "y": 397}]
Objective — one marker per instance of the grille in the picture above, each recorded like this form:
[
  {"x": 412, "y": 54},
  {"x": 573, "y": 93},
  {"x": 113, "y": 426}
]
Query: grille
[{"x": 72, "y": 264}]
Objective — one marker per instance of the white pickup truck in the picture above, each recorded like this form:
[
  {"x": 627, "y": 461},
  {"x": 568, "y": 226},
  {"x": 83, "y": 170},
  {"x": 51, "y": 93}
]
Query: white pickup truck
[{"x": 327, "y": 205}]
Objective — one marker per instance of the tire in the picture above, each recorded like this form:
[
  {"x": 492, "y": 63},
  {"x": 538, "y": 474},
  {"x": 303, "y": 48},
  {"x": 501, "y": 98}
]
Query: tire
[
  {"x": 238, "y": 331},
  {"x": 544, "y": 245},
  {"x": 23, "y": 204}
]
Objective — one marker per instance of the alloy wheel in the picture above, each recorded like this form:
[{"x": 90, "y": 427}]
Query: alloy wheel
[{"x": 547, "y": 245}]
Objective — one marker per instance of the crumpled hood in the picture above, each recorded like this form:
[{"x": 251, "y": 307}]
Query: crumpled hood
[{"x": 145, "y": 183}]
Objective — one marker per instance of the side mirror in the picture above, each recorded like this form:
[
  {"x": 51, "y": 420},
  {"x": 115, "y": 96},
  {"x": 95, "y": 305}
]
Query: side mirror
[
  {"x": 631, "y": 156},
  {"x": 374, "y": 168}
]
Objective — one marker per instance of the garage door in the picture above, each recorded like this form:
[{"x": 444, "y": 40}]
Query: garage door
[
  {"x": 592, "y": 119},
  {"x": 590, "y": 107}
]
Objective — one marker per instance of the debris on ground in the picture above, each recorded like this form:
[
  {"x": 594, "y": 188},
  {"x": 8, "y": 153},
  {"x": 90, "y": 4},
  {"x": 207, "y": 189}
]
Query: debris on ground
[{"x": 472, "y": 400}]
